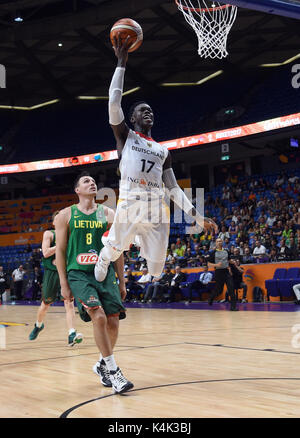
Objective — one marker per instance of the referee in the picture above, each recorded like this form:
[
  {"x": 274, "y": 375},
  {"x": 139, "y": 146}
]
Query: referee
[{"x": 219, "y": 259}]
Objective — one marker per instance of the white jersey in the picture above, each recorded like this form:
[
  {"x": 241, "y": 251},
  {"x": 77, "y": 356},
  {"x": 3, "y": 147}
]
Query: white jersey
[{"x": 141, "y": 167}]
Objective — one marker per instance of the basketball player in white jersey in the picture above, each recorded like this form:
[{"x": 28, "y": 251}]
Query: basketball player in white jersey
[{"x": 146, "y": 169}]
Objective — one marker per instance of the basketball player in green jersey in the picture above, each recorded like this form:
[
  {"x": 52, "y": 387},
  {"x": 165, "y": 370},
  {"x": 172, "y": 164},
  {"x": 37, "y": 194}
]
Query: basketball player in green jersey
[
  {"x": 79, "y": 230},
  {"x": 50, "y": 289}
]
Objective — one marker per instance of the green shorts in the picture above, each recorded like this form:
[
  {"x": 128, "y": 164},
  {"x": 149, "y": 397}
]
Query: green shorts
[
  {"x": 89, "y": 293},
  {"x": 51, "y": 286}
]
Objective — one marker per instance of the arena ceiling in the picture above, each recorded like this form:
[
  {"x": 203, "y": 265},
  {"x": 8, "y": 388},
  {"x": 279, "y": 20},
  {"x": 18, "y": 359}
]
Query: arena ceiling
[{"x": 39, "y": 70}]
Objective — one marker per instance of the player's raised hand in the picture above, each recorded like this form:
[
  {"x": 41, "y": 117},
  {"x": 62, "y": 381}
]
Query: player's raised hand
[{"x": 121, "y": 49}]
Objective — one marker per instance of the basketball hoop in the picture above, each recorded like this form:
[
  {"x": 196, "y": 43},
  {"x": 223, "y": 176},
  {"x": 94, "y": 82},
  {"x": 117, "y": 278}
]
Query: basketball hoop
[{"x": 212, "y": 23}]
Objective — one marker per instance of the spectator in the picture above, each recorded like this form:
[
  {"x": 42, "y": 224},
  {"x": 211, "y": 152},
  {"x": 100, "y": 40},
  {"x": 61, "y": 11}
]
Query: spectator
[
  {"x": 271, "y": 220},
  {"x": 204, "y": 279},
  {"x": 226, "y": 243},
  {"x": 279, "y": 181},
  {"x": 212, "y": 244},
  {"x": 236, "y": 254},
  {"x": 130, "y": 284},
  {"x": 277, "y": 229},
  {"x": 247, "y": 257},
  {"x": 293, "y": 249},
  {"x": 180, "y": 249},
  {"x": 158, "y": 286},
  {"x": 242, "y": 248},
  {"x": 283, "y": 252},
  {"x": 273, "y": 256},
  {"x": 35, "y": 259},
  {"x": 293, "y": 178},
  {"x": 143, "y": 282},
  {"x": 226, "y": 194},
  {"x": 36, "y": 283},
  {"x": 178, "y": 278},
  {"x": 235, "y": 217},
  {"x": 231, "y": 250},
  {"x": 205, "y": 238},
  {"x": 150, "y": 288},
  {"x": 287, "y": 232},
  {"x": 173, "y": 263},
  {"x": 259, "y": 249},
  {"x": 223, "y": 233},
  {"x": 18, "y": 279},
  {"x": 233, "y": 229},
  {"x": 204, "y": 253},
  {"x": 189, "y": 260}
]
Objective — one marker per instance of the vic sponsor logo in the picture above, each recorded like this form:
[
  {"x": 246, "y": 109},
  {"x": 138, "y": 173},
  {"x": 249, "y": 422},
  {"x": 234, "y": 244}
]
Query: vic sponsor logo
[{"x": 87, "y": 259}]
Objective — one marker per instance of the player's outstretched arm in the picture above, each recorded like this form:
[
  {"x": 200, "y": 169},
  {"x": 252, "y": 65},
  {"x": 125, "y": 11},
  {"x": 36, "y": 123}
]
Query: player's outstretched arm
[
  {"x": 116, "y": 115},
  {"x": 61, "y": 230},
  {"x": 181, "y": 199}
]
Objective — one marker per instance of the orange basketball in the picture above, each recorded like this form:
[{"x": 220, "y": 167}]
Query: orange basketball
[{"x": 127, "y": 27}]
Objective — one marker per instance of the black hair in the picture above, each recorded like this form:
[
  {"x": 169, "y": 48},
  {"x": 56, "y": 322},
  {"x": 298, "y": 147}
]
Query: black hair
[
  {"x": 133, "y": 106},
  {"x": 82, "y": 174}
]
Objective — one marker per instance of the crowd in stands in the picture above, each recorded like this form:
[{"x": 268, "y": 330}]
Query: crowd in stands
[{"x": 258, "y": 221}]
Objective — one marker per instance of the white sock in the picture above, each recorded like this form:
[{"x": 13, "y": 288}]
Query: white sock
[
  {"x": 39, "y": 324},
  {"x": 110, "y": 363},
  {"x": 100, "y": 357},
  {"x": 72, "y": 330}
]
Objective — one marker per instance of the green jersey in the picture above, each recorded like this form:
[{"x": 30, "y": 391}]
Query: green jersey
[
  {"x": 48, "y": 262},
  {"x": 85, "y": 233}
]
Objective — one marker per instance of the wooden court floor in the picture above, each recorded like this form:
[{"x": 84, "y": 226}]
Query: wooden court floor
[{"x": 183, "y": 363}]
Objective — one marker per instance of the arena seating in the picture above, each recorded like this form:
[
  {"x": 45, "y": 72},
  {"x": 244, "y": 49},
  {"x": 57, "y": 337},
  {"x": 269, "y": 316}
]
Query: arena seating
[
  {"x": 193, "y": 277},
  {"x": 272, "y": 285},
  {"x": 85, "y": 127},
  {"x": 285, "y": 285}
]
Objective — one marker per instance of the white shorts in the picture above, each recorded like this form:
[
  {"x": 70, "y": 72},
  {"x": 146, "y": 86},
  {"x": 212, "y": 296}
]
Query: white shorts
[{"x": 142, "y": 222}]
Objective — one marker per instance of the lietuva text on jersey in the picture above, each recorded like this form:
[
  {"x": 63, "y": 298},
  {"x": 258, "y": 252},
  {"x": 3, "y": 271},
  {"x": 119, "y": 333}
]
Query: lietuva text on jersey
[
  {"x": 87, "y": 224},
  {"x": 141, "y": 167}
]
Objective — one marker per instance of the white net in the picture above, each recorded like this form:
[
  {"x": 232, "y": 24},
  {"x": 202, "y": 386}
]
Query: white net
[{"x": 212, "y": 22}]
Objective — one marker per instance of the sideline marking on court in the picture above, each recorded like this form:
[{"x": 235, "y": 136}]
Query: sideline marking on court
[{"x": 12, "y": 324}]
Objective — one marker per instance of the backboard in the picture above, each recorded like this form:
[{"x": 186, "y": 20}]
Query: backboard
[{"x": 287, "y": 8}]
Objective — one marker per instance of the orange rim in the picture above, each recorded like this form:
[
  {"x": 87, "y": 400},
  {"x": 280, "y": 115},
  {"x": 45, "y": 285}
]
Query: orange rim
[{"x": 187, "y": 8}]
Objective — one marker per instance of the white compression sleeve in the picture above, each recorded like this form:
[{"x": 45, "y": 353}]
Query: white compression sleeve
[
  {"x": 115, "y": 111},
  {"x": 180, "y": 197}
]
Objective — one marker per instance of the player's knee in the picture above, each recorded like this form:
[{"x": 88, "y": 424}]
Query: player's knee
[
  {"x": 47, "y": 303},
  {"x": 97, "y": 316},
  {"x": 113, "y": 322},
  {"x": 69, "y": 303}
]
